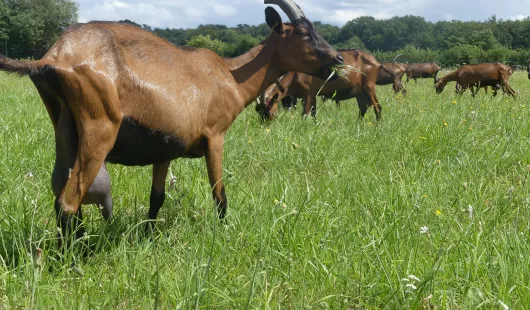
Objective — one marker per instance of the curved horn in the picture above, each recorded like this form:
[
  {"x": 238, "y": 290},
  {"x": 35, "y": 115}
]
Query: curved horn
[
  {"x": 397, "y": 56},
  {"x": 291, "y": 9}
]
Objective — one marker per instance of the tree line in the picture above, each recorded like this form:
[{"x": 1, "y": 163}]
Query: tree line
[{"x": 29, "y": 27}]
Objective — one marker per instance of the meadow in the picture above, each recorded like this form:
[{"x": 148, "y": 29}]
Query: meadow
[{"x": 427, "y": 209}]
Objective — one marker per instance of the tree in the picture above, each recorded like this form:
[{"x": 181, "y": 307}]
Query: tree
[
  {"x": 4, "y": 20},
  {"x": 353, "y": 42},
  {"x": 37, "y": 24},
  {"x": 204, "y": 41}
]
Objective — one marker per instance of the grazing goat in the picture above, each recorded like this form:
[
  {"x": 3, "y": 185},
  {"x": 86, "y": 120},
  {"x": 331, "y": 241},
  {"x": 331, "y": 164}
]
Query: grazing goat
[
  {"x": 479, "y": 74},
  {"x": 359, "y": 82},
  {"x": 384, "y": 77},
  {"x": 117, "y": 93},
  {"x": 422, "y": 70},
  {"x": 495, "y": 85}
]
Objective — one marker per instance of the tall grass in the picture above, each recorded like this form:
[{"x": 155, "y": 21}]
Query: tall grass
[{"x": 430, "y": 206}]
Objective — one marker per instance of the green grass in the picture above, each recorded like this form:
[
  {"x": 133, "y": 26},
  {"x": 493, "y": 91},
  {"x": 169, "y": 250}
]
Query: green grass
[{"x": 322, "y": 214}]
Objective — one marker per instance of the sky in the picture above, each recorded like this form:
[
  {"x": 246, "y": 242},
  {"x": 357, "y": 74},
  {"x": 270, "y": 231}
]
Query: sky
[{"x": 191, "y": 13}]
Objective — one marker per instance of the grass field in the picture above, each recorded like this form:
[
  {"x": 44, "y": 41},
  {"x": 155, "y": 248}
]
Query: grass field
[{"x": 428, "y": 208}]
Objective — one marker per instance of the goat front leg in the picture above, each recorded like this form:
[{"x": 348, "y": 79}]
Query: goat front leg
[
  {"x": 307, "y": 106},
  {"x": 158, "y": 193},
  {"x": 214, "y": 164}
]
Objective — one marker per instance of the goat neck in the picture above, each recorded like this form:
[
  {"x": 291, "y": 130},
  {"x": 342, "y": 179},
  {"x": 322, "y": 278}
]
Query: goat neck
[{"x": 255, "y": 70}]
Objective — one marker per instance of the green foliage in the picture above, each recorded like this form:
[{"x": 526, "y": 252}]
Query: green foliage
[
  {"x": 204, "y": 41},
  {"x": 4, "y": 20},
  {"x": 462, "y": 54},
  {"x": 353, "y": 42},
  {"x": 448, "y": 42},
  {"x": 35, "y": 24}
]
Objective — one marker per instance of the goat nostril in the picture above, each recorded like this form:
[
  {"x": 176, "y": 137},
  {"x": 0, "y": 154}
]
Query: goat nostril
[{"x": 340, "y": 58}]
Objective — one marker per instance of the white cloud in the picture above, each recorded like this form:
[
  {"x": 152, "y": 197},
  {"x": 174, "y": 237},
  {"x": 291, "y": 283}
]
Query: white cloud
[
  {"x": 520, "y": 17},
  {"x": 341, "y": 17},
  {"x": 224, "y": 10},
  {"x": 188, "y": 13},
  {"x": 114, "y": 10}
]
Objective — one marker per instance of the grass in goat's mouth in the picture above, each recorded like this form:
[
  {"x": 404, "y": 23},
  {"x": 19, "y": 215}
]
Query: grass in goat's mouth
[{"x": 341, "y": 71}]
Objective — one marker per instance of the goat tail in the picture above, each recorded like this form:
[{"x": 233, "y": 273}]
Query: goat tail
[{"x": 20, "y": 67}]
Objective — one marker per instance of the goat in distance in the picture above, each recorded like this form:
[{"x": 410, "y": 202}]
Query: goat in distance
[{"x": 358, "y": 82}]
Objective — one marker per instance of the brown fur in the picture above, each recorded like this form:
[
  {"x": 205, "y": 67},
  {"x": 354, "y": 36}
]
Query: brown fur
[
  {"x": 392, "y": 73},
  {"x": 477, "y": 74},
  {"x": 474, "y": 88},
  {"x": 118, "y": 93},
  {"x": 355, "y": 84},
  {"x": 422, "y": 70}
]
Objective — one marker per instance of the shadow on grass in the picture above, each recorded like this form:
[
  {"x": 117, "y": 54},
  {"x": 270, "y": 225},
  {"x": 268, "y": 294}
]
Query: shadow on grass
[{"x": 22, "y": 242}]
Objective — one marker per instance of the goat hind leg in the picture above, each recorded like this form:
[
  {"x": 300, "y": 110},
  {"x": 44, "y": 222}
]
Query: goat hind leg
[
  {"x": 214, "y": 164},
  {"x": 66, "y": 144},
  {"x": 363, "y": 103},
  {"x": 94, "y": 105},
  {"x": 372, "y": 98}
]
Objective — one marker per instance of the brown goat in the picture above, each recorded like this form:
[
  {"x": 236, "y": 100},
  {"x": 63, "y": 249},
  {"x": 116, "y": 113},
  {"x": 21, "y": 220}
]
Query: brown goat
[
  {"x": 359, "y": 82},
  {"x": 495, "y": 85},
  {"x": 471, "y": 75},
  {"x": 118, "y": 93},
  {"x": 384, "y": 77},
  {"x": 422, "y": 70}
]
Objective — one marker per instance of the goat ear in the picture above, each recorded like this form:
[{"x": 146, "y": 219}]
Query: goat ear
[{"x": 274, "y": 20}]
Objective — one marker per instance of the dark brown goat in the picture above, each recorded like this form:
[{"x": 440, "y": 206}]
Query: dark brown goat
[
  {"x": 422, "y": 70},
  {"x": 384, "y": 77},
  {"x": 471, "y": 75},
  {"x": 117, "y": 93},
  {"x": 359, "y": 82}
]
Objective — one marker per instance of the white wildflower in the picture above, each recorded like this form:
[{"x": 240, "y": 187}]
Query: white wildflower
[
  {"x": 413, "y": 277},
  {"x": 424, "y": 229},
  {"x": 411, "y": 286},
  {"x": 470, "y": 211}
]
